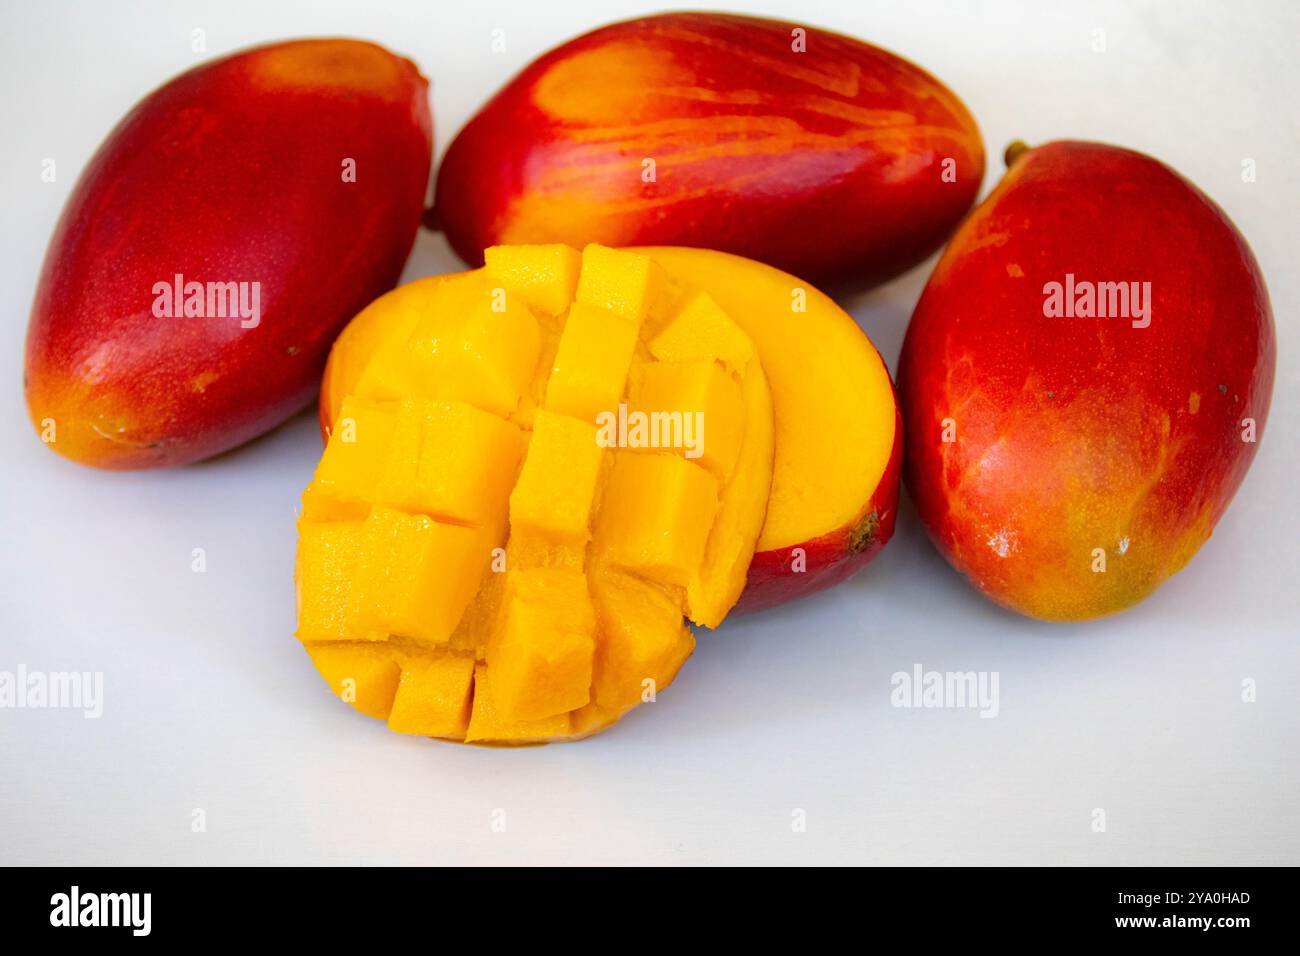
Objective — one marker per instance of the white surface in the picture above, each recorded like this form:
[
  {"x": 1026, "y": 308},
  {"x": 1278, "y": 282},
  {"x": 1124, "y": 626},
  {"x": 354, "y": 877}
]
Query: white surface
[{"x": 210, "y": 704}]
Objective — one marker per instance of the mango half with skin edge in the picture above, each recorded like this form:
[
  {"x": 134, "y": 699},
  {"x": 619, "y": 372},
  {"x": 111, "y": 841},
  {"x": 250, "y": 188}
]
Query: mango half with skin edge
[
  {"x": 834, "y": 495},
  {"x": 524, "y": 493},
  {"x": 813, "y": 152},
  {"x": 1085, "y": 381},
  {"x": 215, "y": 245}
]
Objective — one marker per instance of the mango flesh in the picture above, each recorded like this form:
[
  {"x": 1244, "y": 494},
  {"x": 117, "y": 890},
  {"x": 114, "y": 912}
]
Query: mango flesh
[
  {"x": 284, "y": 185},
  {"x": 834, "y": 488},
  {"x": 507, "y": 558},
  {"x": 1068, "y": 463},
  {"x": 814, "y": 152}
]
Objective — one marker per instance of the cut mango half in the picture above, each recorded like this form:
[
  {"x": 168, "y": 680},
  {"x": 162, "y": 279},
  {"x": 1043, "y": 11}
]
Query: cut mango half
[
  {"x": 541, "y": 470},
  {"x": 834, "y": 494}
]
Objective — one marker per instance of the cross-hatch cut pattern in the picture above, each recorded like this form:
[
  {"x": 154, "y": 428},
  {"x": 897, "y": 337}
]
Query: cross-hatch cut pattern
[{"x": 475, "y": 560}]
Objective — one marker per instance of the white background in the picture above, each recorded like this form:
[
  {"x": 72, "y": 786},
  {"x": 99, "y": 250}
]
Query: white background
[{"x": 210, "y": 704}]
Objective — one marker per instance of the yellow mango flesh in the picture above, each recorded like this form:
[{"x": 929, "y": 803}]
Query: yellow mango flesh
[
  {"x": 700, "y": 329},
  {"x": 815, "y": 424},
  {"x": 328, "y": 556},
  {"x": 488, "y": 724},
  {"x": 346, "y": 477},
  {"x": 656, "y": 515},
  {"x": 433, "y": 698},
  {"x": 540, "y": 652},
  {"x": 642, "y": 642},
  {"x": 451, "y": 461},
  {"x": 415, "y": 577},
  {"x": 474, "y": 344},
  {"x": 365, "y": 677},
  {"x": 490, "y": 550},
  {"x": 553, "y": 498},
  {"x": 627, "y": 284},
  {"x": 592, "y": 362},
  {"x": 545, "y": 277},
  {"x": 717, "y": 583},
  {"x": 688, "y": 396}
]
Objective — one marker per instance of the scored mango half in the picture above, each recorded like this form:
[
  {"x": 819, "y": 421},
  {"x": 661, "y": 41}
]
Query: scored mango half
[{"x": 543, "y": 468}]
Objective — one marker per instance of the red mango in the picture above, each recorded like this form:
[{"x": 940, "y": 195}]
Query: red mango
[
  {"x": 1085, "y": 381},
  {"x": 810, "y": 151},
  {"x": 218, "y": 240}
]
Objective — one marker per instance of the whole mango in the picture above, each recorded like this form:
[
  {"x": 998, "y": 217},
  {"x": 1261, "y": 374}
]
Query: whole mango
[
  {"x": 216, "y": 243},
  {"x": 1085, "y": 381},
  {"x": 810, "y": 151}
]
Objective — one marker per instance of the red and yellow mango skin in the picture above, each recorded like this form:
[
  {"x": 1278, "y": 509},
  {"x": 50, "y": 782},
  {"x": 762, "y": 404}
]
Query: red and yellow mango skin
[
  {"x": 713, "y": 131},
  {"x": 833, "y": 557},
  {"x": 1088, "y": 458},
  {"x": 231, "y": 172}
]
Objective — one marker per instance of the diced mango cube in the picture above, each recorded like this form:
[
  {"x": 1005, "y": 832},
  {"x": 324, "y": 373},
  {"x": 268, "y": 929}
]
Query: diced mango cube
[
  {"x": 452, "y": 462},
  {"x": 328, "y": 554},
  {"x": 642, "y": 641},
  {"x": 557, "y": 482},
  {"x": 544, "y": 276},
  {"x": 655, "y": 515},
  {"x": 540, "y": 652},
  {"x": 416, "y": 577},
  {"x": 434, "y": 697},
  {"x": 363, "y": 675},
  {"x": 386, "y": 375},
  {"x": 487, "y": 723},
  {"x": 477, "y": 344},
  {"x": 695, "y": 409},
  {"x": 626, "y": 283},
  {"x": 702, "y": 330},
  {"x": 349, "y": 469},
  {"x": 591, "y": 363}
]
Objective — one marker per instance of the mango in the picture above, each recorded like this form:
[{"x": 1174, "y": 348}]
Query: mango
[
  {"x": 703, "y": 388},
  {"x": 475, "y": 346},
  {"x": 415, "y": 576},
  {"x": 451, "y": 461},
  {"x": 656, "y": 515},
  {"x": 366, "y": 677},
  {"x": 217, "y": 242},
  {"x": 591, "y": 362},
  {"x": 556, "y": 491},
  {"x": 545, "y": 277},
  {"x": 433, "y": 698},
  {"x": 814, "y": 152},
  {"x": 346, "y": 478},
  {"x": 642, "y": 641},
  {"x": 838, "y": 434},
  {"x": 527, "y": 570},
  {"x": 541, "y": 649},
  {"x": 1085, "y": 381}
]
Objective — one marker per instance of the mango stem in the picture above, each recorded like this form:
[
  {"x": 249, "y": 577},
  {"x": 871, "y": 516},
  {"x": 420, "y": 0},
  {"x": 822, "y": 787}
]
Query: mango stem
[{"x": 1014, "y": 151}]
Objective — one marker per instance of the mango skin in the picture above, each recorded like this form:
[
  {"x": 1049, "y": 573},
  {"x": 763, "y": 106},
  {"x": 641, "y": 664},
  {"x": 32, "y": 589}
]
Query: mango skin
[
  {"x": 1078, "y": 434},
  {"x": 828, "y": 164},
  {"x": 231, "y": 172},
  {"x": 832, "y": 557}
]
